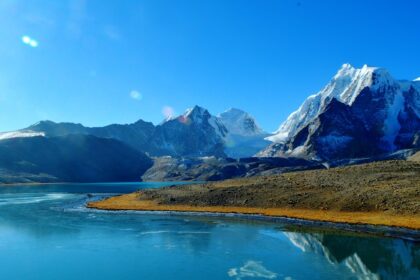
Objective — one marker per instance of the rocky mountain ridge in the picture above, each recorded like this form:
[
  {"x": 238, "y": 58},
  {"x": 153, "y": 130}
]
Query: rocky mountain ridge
[
  {"x": 361, "y": 113},
  {"x": 194, "y": 133}
]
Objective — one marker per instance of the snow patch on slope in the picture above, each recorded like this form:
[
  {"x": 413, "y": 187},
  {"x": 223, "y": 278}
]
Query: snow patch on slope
[{"x": 19, "y": 134}]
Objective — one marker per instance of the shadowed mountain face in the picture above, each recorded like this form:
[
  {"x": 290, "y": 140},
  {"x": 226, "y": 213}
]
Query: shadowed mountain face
[
  {"x": 195, "y": 133},
  {"x": 360, "y": 113},
  {"x": 214, "y": 169},
  {"x": 71, "y": 158},
  {"x": 135, "y": 135}
]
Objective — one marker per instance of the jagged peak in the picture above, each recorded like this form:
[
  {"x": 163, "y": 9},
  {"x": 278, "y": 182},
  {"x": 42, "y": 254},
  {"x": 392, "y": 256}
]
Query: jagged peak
[
  {"x": 43, "y": 122},
  {"x": 349, "y": 81},
  {"x": 240, "y": 122},
  {"x": 345, "y": 86},
  {"x": 233, "y": 111},
  {"x": 195, "y": 111},
  {"x": 142, "y": 122},
  {"x": 348, "y": 71}
]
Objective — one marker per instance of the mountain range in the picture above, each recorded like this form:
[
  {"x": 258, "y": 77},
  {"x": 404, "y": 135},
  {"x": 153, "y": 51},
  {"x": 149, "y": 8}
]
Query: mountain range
[
  {"x": 49, "y": 151},
  {"x": 195, "y": 133},
  {"x": 361, "y": 114}
]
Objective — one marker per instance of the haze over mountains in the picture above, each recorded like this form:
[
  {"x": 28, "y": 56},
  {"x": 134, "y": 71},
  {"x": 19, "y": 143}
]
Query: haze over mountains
[{"x": 361, "y": 113}]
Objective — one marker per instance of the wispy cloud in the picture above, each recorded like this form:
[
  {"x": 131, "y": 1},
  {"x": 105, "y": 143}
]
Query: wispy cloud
[
  {"x": 136, "y": 95},
  {"x": 29, "y": 41}
]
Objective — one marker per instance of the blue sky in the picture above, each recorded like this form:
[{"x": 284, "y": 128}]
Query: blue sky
[{"x": 98, "y": 62}]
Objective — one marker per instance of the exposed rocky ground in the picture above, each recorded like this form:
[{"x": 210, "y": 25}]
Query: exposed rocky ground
[
  {"x": 214, "y": 169},
  {"x": 415, "y": 157},
  {"x": 387, "y": 186}
]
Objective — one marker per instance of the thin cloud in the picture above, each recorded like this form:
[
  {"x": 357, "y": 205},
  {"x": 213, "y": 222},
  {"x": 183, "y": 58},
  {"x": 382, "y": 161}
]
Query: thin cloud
[{"x": 136, "y": 95}]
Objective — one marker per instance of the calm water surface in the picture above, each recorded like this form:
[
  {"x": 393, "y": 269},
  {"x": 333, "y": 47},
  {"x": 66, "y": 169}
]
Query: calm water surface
[{"x": 47, "y": 233}]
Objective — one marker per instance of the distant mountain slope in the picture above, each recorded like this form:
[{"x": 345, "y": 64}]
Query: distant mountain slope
[
  {"x": 244, "y": 138},
  {"x": 136, "y": 134},
  {"x": 239, "y": 122},
  {"x": 195, "y": 133},
  {"x": 360, "y": 113},
  {"x": 70, "y": 158}
]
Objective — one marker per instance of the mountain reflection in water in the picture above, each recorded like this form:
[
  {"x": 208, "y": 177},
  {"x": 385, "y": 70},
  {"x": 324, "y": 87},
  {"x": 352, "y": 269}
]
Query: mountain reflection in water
[{"x": 367, "y": 257}]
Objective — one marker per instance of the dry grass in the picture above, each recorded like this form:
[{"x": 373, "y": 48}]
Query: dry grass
[
  {"x": 381, "y": 193},
  {"x": 133, "y": 202}
]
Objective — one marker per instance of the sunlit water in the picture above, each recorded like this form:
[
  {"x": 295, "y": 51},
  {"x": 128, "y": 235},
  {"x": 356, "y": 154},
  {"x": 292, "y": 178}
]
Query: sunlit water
[{"x": 47, "y": 233}]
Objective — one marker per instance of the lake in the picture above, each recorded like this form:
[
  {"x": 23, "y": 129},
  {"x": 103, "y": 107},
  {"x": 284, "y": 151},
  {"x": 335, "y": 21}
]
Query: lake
[{"x": 47, "y": 233}]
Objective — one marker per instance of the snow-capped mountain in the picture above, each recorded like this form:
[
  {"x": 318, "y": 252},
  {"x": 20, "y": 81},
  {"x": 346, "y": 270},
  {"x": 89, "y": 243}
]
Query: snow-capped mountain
[
  {"x": 239, "y": 122},
  {"x": 194, "y": 133},
  {"x": 233, "y": 133},
  {"x": 245, "y": 137},
  {"x": 360, "y": 113}
]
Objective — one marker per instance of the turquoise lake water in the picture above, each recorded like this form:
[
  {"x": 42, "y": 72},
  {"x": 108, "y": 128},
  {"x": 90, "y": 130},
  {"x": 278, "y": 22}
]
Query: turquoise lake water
[{"x": 47, "y": 233}]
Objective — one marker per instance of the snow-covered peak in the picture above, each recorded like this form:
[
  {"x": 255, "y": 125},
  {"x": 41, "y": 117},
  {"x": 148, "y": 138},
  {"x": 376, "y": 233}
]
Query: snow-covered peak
[
  {"x": 417, "y": 79},
  {"x": 349, "y": 81},
  {"x": 233, "y": 113},
  {"x": 19, "y": 134},
  {"x": 195, "y": 111},
  {"x": 44, "y": 123},
  {"x": 201, "y": 116},
  {"x": 345, "y": 86},
  {"x": 345, "y": 70},
  {"x": 239, "y": 122}
]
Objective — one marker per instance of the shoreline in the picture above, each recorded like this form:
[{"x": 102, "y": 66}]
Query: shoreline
[
  {"x": 408, "y": 234},
  {"x": 407, "y": 227}
]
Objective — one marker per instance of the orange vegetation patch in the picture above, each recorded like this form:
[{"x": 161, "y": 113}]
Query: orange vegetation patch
[{"x": 133, "y": 202}]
